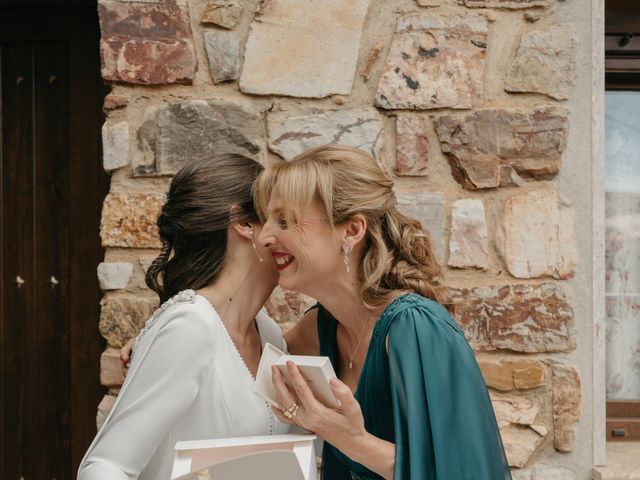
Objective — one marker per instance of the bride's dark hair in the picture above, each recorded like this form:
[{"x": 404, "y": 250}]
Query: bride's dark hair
[{"x": 205, "y": 197}]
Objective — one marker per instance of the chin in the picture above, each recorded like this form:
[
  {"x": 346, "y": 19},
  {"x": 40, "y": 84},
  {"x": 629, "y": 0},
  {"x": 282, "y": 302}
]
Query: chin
[
  {"x": 287, "y": 284},
  {"x": 295, "y": 287}
]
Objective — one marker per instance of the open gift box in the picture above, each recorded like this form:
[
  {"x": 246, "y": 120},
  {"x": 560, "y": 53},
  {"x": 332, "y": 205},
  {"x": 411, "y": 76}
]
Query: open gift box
[{"x": 270, "y": 457}]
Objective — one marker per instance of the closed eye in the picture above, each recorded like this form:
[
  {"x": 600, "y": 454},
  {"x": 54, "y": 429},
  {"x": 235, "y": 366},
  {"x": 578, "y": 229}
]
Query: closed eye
[{"x": 282, "y": 223}]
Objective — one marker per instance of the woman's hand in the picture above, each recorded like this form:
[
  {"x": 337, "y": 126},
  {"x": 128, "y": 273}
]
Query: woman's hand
[
  {"x": 338, "y": 426},
  {"x": 343, "y": 426},
  {"x": 125, "y": 356}
]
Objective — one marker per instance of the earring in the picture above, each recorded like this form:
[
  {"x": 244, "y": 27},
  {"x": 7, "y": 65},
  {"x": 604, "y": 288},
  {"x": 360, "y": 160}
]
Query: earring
[
  {"x": 253, "y": 242},
  {"x": 346, "y": 249}
]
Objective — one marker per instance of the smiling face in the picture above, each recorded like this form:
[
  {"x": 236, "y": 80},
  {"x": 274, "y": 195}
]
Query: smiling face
[{"x": 307, "y": 252}]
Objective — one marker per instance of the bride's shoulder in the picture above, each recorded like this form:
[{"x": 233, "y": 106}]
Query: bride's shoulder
[{"x": 184, "y": 312}]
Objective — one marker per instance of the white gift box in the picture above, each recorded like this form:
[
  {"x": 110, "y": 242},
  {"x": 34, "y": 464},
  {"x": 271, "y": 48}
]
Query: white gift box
[
  {"x": 269, "y": 457},
  {"x": 316, "y": 370}
]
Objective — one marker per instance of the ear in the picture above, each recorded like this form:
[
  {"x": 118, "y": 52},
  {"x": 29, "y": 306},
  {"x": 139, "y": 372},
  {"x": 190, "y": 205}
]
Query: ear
[
  {"x": 243, "y": 229},
  {"x": 354, "y": 230}
]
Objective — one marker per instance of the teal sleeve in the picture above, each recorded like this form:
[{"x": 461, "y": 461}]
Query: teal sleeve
[{"x": 445, "y": 426}]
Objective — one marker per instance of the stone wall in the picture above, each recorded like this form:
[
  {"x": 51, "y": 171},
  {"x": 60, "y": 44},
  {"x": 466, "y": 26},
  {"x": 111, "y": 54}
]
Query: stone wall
[{"x": 481, "y": 108}]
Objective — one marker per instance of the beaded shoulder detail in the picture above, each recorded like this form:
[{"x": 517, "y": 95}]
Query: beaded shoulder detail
[
  {"x": 185, "y": 296},
  {"x": 405, "y": 298}
]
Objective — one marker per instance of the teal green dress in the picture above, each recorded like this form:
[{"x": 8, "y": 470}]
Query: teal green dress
[{"x": 427, "y": 396}]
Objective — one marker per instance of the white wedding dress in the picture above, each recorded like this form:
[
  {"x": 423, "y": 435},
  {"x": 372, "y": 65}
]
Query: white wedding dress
[{"x": 187, "y": 381}]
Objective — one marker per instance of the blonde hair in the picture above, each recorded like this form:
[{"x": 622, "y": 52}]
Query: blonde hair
[{"x": 345, "y": 181}]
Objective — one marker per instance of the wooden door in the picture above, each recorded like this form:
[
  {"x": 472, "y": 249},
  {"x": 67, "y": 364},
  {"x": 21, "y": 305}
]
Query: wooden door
[{"x": 51, "y": 189}]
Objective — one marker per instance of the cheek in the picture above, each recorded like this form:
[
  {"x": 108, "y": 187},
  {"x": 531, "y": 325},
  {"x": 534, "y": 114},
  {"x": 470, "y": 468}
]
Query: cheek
[{"x": 326, "y": 256}]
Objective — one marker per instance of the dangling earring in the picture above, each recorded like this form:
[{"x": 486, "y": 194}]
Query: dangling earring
[
  {"x": 346, "y": 249},
  {"x": 253, "y": 242}
]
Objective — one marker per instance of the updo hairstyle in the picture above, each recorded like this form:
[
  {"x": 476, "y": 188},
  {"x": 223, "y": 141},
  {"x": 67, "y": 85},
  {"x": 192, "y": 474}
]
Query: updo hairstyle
[{"x": 205, "y": 197}]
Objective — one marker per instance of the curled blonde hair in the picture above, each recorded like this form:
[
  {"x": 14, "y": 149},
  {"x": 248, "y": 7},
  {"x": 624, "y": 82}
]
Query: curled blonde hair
[{"x": 398, "y": 256}]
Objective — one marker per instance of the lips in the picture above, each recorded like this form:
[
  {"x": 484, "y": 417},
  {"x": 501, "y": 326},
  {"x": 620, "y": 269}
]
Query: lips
[{"x": 283, "y": 260}]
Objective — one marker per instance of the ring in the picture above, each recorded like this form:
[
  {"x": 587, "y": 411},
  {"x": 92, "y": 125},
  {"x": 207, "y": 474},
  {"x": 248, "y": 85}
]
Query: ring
[{"x": 292, "y": 411}]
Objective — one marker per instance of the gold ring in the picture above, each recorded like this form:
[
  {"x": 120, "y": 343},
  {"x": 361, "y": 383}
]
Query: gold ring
[{"x": 292, "y": 411}]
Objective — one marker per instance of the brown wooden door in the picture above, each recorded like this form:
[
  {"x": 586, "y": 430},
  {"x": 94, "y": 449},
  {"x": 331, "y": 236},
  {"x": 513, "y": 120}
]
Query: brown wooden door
[{"x": 51, "y": 189}]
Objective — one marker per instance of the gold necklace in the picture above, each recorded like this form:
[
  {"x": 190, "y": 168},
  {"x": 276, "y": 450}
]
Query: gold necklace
[{"x": 351, "y": 355}]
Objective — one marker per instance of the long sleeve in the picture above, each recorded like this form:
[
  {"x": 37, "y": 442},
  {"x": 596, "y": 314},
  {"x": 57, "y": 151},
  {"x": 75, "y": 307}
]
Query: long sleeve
[
  {"x": 444, "y": 422},
  {"x": 163, "y": 383}
]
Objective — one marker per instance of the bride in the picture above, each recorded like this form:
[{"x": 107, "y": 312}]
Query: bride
[{"x": 192, "y": 373}]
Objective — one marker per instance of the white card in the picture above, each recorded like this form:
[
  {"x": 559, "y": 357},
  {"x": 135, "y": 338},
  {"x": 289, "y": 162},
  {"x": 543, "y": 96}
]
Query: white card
[{"x": 316, "y": 370}]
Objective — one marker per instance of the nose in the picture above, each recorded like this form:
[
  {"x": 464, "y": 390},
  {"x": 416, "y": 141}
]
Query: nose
[{"x": 265, "y": 237}]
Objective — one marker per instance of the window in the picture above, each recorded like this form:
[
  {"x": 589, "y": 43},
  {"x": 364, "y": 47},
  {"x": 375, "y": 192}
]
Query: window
[{"x": 622, "y": 220}]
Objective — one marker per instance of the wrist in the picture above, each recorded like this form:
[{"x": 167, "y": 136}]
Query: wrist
[
  {"x": 357, "y": 446},
  {"x": 374, "y": 453}
]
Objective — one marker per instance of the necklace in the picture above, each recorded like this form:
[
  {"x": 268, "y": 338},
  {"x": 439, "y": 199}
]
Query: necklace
[{"x": 351, "y": 355}]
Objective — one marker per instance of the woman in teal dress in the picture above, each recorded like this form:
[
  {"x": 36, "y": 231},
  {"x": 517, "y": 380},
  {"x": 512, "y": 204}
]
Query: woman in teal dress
[{"x": 413, "y": 403}]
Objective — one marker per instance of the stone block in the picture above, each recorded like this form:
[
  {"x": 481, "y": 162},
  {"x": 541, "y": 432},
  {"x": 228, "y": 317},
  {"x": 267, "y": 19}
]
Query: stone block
[
  {"x": 520, "y": 443},
  {"x": 114, "y": 102},
  {"x": 529, "y": 376},
  {"x": 507, "y": 375},
  {"x": 372, "y": 58},
  {"x": 224, "y": 13},
  {"x": 539, "y": 238},
  {"x": 567, "y": 401},
  {"x": 105, "y": 406},
  {"x": 517, "y": 410},
  {"x": 468, "y": 245},
  {"x": 113, "y": 276},
  {"x": 122, "y": 317},
  {"x": 435, "y": 61},
  {"x": 290, "y": 135},
  {"x": 146, "y": 42},
  {"x": 223, "y": 53},
  {"x": 511, "y": 4},
  {"x": 412, "y": 145},
  {"x": 146, "y": 261},
  {"x": 140, "y": 265},
  {"x": 520, "y": 318},
  {"x": 429, "y": 209},
  {"x": 115, "y": 146},
  {"x": 286, "y": 307},
  {"x": 291, "y": 52},
  {"x": 129, "y": 220},
  {"x": 174, "y": 134},
  {"x": 521, "y": 434},
  {"x": 111, "y": 374},
  {"x": 545, "y": 62},
  {"x": 494, "y": 148}
]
